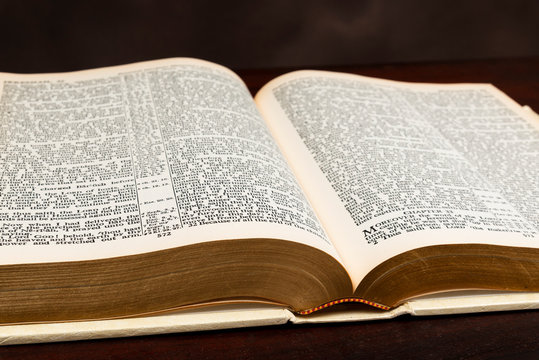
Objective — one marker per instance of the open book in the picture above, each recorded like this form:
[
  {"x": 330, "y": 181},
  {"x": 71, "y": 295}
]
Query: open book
[{"x": 149, "y": 187}]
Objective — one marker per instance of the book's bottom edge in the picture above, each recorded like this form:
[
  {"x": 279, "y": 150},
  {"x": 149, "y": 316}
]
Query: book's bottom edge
[
  {"x": 251, "y": 315},
  {"x": 204, "y": 319}
]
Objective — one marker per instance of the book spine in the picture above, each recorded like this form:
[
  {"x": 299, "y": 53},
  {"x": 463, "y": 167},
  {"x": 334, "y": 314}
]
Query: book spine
[{"x": 340, "y": 301}]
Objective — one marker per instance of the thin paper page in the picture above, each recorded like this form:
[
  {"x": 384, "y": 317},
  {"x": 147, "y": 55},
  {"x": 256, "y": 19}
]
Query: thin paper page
[
  {"x": 394, "y": 166},
  {"x": 138, "y": 158}
]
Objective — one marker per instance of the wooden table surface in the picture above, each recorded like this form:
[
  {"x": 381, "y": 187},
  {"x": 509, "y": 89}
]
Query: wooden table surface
[{"x": 503, "y": 335}]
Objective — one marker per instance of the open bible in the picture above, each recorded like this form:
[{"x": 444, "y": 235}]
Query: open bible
[{"x": 161, "y": 185}]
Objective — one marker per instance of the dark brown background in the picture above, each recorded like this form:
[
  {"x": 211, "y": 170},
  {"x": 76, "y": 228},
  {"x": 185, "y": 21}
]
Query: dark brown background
[{"x": 44, "y": 36}]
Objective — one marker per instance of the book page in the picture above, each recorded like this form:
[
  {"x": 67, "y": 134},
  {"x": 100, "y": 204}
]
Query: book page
[
  {"x": 139, "y": 158},
  {"x": 393, "y": 166}
]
